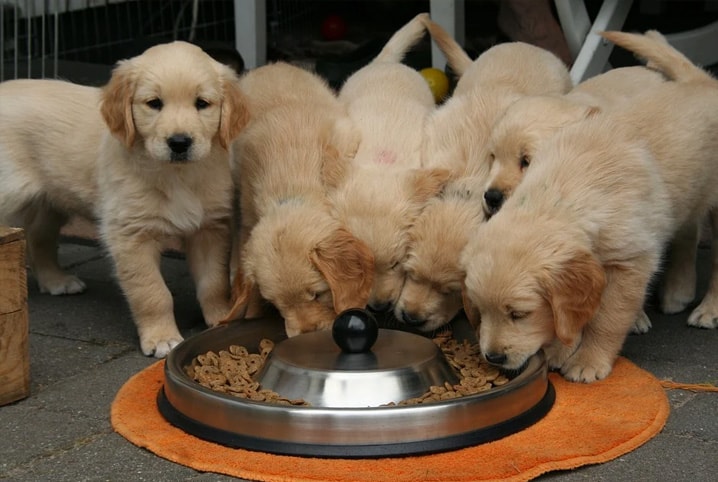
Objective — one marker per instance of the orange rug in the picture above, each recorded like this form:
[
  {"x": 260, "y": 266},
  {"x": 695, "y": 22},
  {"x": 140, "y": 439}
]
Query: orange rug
[{"x": 588, "y": 424}]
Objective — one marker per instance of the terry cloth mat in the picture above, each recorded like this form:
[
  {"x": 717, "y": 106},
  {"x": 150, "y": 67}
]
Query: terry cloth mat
[{"x": 588, "y": 424}]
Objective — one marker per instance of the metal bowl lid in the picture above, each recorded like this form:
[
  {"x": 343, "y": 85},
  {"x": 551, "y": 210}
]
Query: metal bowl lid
[{"x": 355, "y": 365}]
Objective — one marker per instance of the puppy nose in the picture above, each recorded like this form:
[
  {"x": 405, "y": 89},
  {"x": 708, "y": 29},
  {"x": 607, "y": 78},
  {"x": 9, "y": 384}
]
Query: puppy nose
[
  {"x": 179, "y": 143},
  {"x": 494, "y": 198},
  {"x": 495, "y": 358},
  {"x": 410, "y": 320}
]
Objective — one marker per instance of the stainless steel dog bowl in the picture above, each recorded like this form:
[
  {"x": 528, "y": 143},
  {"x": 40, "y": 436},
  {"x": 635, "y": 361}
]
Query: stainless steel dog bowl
[{"x": 347, "y": 391}]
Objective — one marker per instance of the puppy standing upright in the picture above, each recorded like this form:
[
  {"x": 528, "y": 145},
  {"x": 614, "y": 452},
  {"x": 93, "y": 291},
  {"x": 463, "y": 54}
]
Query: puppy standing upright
[
  {"x": 565, "y": 264},
  {"x": 161, "y": 171}
]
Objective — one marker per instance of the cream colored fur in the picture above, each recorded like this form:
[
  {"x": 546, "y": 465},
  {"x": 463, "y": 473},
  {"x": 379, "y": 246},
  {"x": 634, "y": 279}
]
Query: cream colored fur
[
  {"x": 293, "y": 252},
  {"x": 530, "y": 120},
  {"x": 527, "y": 121},
  {"x": 456, "y": 136},
  {"x": 384, "y": 188},
  {"x": 565, "y": 264},
  {"x": 106, "y": 154}
]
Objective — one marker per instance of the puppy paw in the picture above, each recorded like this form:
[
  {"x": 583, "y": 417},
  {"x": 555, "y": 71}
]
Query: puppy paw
[
  {"x": 586, "y": 367},
  {"x": 705, "y": 315},
  {"x": 64, "y": 284},
  {"x": 642, "y": 324},
  {"x": 159, "y": 346},
  {"x": 576, "y": 372}
]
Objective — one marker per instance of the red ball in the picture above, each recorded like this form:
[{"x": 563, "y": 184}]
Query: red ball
[{"x": 333, "y": 27}]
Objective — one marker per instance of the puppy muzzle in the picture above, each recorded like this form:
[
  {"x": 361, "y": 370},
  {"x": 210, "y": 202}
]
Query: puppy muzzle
[{"x": 180, "y": 146}]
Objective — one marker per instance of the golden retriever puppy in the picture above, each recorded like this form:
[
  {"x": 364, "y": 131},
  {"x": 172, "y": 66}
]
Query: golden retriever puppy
[
  {"x": 293, "y": 252},
  {"x": 457, "y": 134},
  {"x": 379, "y": 205},
  {"x": 528, "y": 120},
  {"x": 531, "y": 119},
  {"x": 431, "y": 294},
  {"x": 384, "y": 189},
  {"x": 565, "y": 264},
  {"x": 147, "y": 156}
]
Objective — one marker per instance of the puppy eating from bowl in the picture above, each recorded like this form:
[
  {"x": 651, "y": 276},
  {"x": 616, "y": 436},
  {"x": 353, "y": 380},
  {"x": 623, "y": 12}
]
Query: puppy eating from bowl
[
  {"x": 292, "y": 252},
  {"x": 384, "y": 187},
  {"x": 456, "y": 136},
  {"x": 525, "y": 123},
  {"x": 565, "y": 264}
]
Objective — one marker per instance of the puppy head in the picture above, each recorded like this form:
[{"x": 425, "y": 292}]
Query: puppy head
[
  {"x": 515, "y": 137},
  {"x": 378, "y": 205},
  {"x": 176, "y": 100},
  {"x": 530, "y": 285},
  {"x": 431, "y": 295},
  {"x": 308, "y": 267}
]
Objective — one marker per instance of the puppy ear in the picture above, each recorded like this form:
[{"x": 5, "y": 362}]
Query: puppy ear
[
  {"x": 470, "y": 310},
  {"x": 574, "y": 292},
  {"x": 348, "y": 266},
  {"x": 235, "y": 108},
  {"x": 242, "y": 290},
  {"x": 427, "y": 183},
  {"x": 116, "y": 102},
  {"x": 574, "y": 112}
]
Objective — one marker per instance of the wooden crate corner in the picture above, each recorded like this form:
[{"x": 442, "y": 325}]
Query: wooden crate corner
[{"x": 14, "y": 325}]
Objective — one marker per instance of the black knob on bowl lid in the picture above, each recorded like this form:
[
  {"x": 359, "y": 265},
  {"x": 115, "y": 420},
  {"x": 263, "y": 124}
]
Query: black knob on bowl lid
[{"x": 355, "y": 330}]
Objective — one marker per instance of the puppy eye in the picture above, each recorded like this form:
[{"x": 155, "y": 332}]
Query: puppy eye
[
  {"x": 201, "y": 104},
  {"x": 492, "y": 157},
  {"x": 525, "y": 161},
  {"x": 518, "y": 315},
  {"x": 155, "y": 104}
]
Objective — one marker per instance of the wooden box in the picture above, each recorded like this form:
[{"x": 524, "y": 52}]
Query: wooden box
[{"x": 14, "y": 326}]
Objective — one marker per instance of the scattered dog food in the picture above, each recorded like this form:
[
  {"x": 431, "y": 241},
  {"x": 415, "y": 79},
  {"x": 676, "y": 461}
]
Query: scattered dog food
[{"x": 232, "y": 371}]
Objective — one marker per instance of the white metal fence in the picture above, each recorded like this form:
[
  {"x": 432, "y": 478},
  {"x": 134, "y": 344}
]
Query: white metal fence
[{"x": 38, "y": 38}]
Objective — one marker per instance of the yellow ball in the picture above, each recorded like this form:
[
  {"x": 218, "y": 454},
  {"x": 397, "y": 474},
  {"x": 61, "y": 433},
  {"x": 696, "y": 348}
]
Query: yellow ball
[{"x": 438, "y": 82}]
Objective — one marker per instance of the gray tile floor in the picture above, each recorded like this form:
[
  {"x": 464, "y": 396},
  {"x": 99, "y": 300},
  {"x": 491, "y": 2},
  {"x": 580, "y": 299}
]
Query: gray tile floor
[{"x": 83, "y": 348}]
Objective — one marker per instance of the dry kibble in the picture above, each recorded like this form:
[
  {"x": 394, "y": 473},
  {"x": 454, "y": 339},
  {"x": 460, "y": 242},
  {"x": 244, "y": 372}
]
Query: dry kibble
[
  {"x": 232, "y": 370},
  {"x": 475, "y": 375}
]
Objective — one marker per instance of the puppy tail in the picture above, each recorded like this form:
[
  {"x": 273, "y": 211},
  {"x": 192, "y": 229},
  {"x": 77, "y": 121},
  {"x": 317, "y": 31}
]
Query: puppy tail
[
  {"x": 456, "y": 56},
  {"x": 403, "y": 40},
  {"x": 659, "y": 55}
]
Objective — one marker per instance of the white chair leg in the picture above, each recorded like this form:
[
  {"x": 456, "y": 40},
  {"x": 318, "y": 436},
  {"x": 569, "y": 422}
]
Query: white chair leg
[
  {"x": 574, "y": 21},
  {"x": 250, "y": 31},
  {"x": 592, "y": 59},
  {"x": 450, "y": 15}
]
